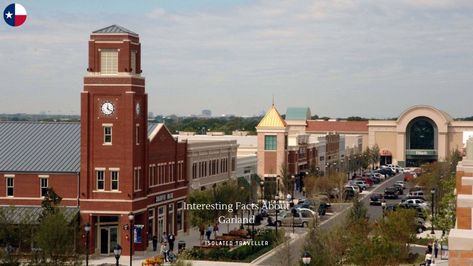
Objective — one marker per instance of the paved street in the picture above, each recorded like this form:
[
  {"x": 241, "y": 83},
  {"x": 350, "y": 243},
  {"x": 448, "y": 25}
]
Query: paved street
[
  {"x": 329, "y": 222},
  {"x": 374, "y": 211}
]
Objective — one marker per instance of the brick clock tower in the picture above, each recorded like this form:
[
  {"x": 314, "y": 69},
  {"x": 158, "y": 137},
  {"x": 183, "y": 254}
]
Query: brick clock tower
[{"x": 114, "y": 141}]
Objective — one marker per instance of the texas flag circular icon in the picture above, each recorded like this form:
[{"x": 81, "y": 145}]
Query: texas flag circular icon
[{"x": 14, "y": 15}]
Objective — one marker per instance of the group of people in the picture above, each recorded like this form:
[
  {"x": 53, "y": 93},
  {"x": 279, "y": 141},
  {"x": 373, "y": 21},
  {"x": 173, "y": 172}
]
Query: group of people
[
  {"x": 166, "y": 247},
  {"x": 429, "y": 258},
  {"x": 207, "y": 231}
]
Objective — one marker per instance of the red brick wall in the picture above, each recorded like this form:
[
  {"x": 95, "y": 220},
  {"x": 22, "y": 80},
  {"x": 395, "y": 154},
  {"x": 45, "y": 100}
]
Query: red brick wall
[
  {"x": 124, "y": 43},
  {"x": 27, "y": 188}
]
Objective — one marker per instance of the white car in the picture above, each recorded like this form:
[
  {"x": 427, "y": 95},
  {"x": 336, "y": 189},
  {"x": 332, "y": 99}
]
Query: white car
[
  {"x": 354, "y": 188},
  {"x": 380, "y": 176},
  {"x": 418, "y": 193},
  {"x": 416, "y": 202},
  {"x": 401, "y": 183},
  {"x": 308, "y": 212}
]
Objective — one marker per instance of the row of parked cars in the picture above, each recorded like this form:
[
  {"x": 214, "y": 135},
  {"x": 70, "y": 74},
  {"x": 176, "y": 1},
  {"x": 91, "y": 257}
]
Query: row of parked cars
[
  {"x": 414, "y": 200},
  {"x": 369, "y": 178}
]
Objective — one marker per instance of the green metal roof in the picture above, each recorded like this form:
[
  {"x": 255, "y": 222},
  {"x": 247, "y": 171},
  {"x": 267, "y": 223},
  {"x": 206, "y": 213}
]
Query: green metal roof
[
  {"x": 115, "y": 29},
  {"x": 298, "y": 113}
]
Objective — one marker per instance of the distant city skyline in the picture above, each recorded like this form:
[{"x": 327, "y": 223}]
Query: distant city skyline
[{"x": 341, "y": 58}]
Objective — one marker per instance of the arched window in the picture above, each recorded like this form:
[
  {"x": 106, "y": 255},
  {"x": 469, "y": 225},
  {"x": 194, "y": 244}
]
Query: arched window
[{"x": 422, "y": 135}]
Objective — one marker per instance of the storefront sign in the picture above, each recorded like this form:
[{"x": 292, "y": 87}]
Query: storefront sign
[
  {"x": 164, "y": 197},
  {"x": 421, "y": 152}
]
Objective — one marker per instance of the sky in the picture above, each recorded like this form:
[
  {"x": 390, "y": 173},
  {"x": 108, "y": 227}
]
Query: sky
[{"x": 370, "y": 58}]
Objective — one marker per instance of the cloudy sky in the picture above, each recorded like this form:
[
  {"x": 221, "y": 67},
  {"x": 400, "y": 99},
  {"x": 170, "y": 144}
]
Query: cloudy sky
[{"x": 370, "y": 58}]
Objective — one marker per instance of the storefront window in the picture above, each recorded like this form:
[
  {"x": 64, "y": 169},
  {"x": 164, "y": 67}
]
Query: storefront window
[{"x": 179, "y": 216}]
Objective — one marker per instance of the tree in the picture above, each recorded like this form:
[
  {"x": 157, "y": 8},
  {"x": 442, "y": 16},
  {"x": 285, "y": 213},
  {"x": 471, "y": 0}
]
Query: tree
[
  {"x": 374, "y": 158},
  {"x": 399, "y": 228},
  {"x": 223, "y": 194},
  {"x": 327, "y": 248},
  {"x": 50, "y": 203},
  {"x": 199, "y": 217},
  {"x": 55, "y": 237},
  {"x": 286, "y": 179}
]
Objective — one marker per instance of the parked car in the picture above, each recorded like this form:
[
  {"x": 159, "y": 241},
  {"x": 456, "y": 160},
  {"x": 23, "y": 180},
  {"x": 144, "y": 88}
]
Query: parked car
[
  {"x": 391, "y": 193},
  {"x": 355, "y": 188},
  {"x": 368, "y": 181},
  {"x": 414, "y": 197},
  {"x": 409, "y": 175},
  {"x": 387, "y": 172},
  {"x": 418, "y": 193},
  {"x": 399, "y": 188},
  {"x": 360, "y": 183},
  {"x": 321, "y": 208},
  {"x": 379, "y": 175},
  {"x": 415, "y": 203},
  {"x": 301, "y": 219},
  {"x": 376, "y": 199},
  {"x": 401, "y": 183},
  {"x": 305, "y": 212}
]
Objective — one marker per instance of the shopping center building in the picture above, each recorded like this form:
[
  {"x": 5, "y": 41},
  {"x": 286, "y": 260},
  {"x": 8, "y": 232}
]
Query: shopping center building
[{"x": 419, "y": 135}]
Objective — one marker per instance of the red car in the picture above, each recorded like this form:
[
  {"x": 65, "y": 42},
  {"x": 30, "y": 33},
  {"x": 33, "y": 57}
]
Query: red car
[{"x": 368, "y": 181}]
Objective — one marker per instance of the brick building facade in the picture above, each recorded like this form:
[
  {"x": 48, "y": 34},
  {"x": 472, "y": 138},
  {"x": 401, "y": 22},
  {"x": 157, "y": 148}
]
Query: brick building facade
[{"x": 110, "y": 165}]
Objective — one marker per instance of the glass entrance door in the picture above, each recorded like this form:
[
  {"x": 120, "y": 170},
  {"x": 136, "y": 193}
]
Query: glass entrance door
[
  {"x": 108, "y": 239},
  {"x": 104, "y": 241},
  {"x": 113, "y": 238}
]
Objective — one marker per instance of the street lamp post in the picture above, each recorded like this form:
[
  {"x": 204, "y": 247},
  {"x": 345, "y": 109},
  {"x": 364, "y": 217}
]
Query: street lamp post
[
  {"x": 277, "y": 211},
  {"x": 293, "y": 181},
  {"x": 253, "y": 223},
  {"x": 241, "y": 226},
  {"x": 432, "y": 192},
  {"x": 277, "y": 188},
  {"x": 87, "y": 232},
  {"x": 131, "y": 217},
  {"x": 117, "y": 251},
  {"x": 294, "y": 212},
  {"x": 383, "y": 205},
  {"x": 306, "y": 258},
  {"x": 262, "y": 190}
]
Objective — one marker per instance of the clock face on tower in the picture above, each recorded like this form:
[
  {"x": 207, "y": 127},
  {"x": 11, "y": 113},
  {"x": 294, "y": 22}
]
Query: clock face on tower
[
  {"x": 138, "y": 108},
  {"x": 107, "y": 108}
]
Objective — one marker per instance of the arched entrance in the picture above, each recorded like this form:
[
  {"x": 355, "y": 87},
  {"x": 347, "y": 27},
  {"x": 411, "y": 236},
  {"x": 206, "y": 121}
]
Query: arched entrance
[{"x": 421, "y": 141}]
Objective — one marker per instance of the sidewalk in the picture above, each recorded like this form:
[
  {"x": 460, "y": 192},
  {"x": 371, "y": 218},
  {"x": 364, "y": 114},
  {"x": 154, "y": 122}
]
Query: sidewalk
[
  {"x": 427, "y": 234},
  {"x": 191, "y": 238}
]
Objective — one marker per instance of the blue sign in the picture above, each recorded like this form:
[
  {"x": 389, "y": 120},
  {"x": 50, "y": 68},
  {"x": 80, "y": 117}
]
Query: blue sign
[{"x": 137, "y": 238}]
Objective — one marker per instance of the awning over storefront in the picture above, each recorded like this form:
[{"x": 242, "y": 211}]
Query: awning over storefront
[
  {"x": 31, "y": 215},
  {"x": 385, "y": 152}
]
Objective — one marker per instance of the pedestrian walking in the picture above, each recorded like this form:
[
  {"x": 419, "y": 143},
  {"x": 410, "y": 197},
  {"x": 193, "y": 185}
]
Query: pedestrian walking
[
  {"x": 428, "y": 258},
  {"x": 165, "y": 251},
  {"x": 215, "y": 230},
  {"x": 436, "y": 248},
  {"x": 162, "y": 249},
  {"x": 155, "y": 242},
  {"x": 209, "y": 232},
  {"x": 171, "y": 239},
  {"x": 202, "y": 231},
  {"x": 164, "y": 237}
]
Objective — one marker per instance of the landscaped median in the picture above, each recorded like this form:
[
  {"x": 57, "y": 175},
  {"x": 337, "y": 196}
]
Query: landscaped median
[{"x": 236, "y": 246}]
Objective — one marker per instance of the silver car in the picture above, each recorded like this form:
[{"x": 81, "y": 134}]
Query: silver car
[{"x": 301, "y": 218}]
